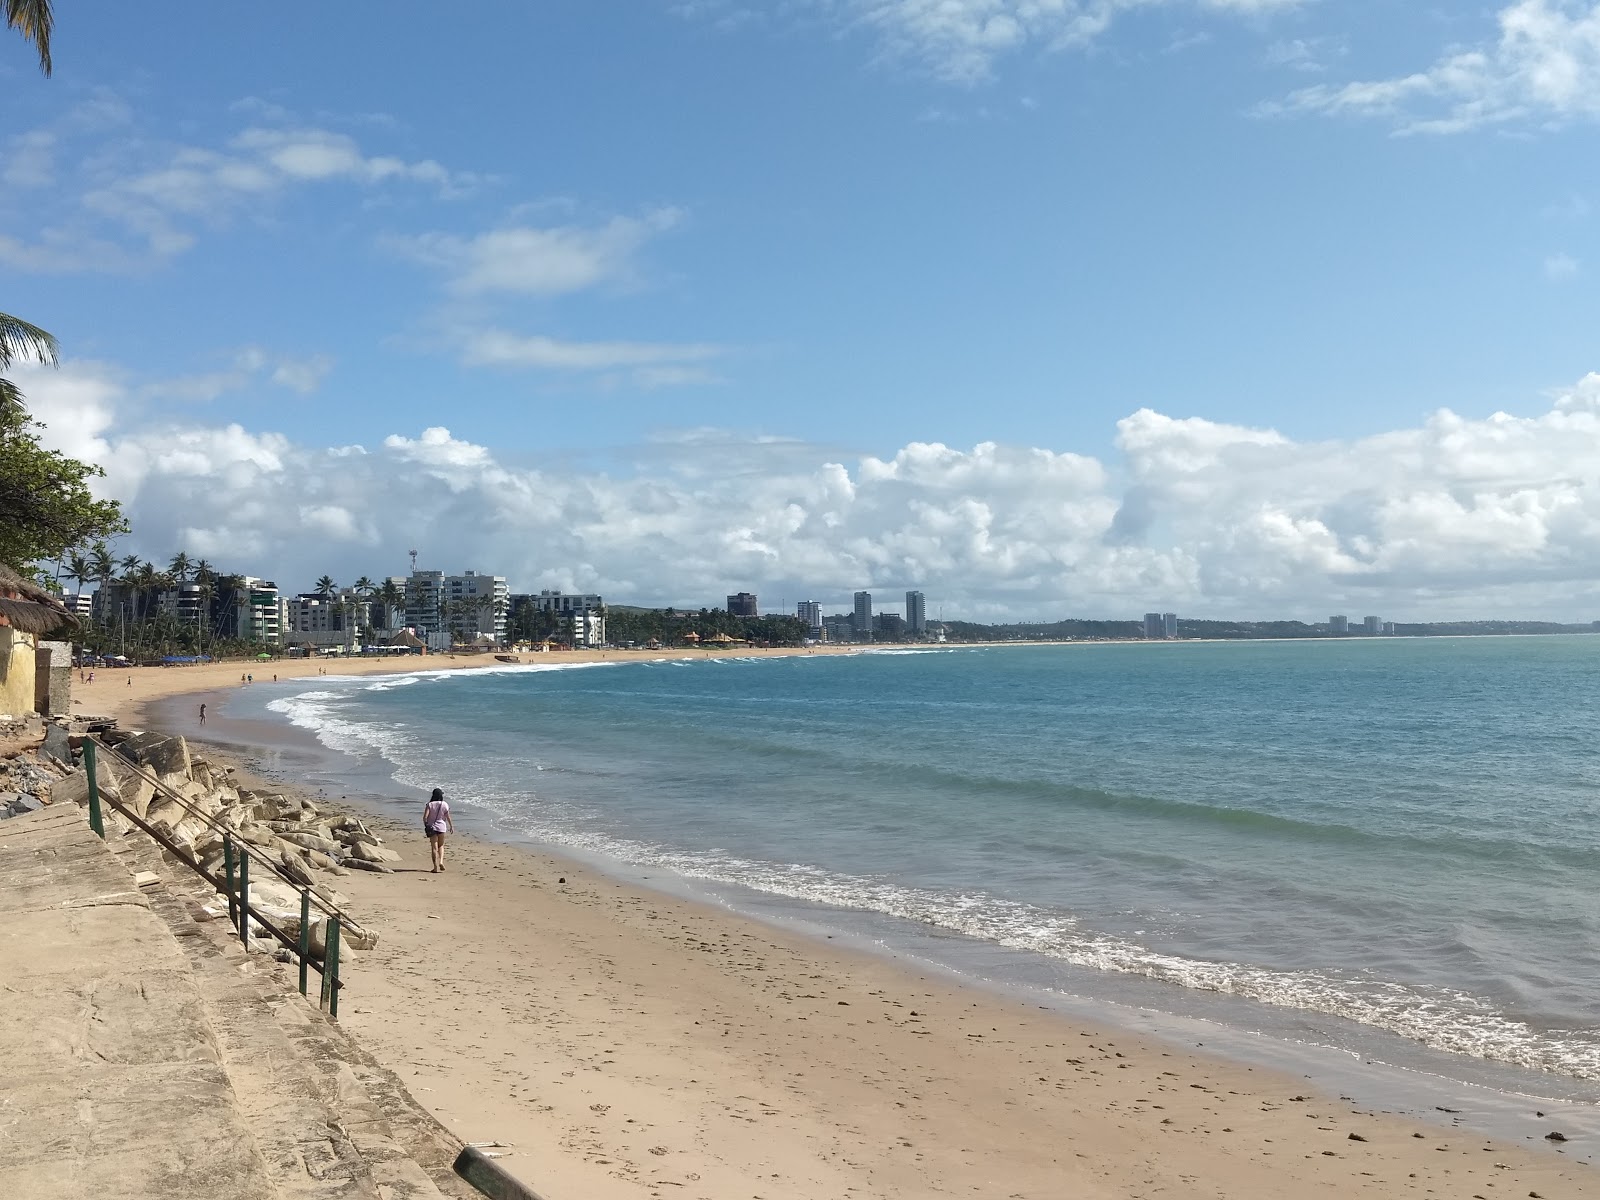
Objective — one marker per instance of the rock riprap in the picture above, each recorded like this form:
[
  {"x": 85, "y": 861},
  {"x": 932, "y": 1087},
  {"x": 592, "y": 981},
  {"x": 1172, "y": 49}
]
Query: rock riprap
[{"x": 197, "y": 803}]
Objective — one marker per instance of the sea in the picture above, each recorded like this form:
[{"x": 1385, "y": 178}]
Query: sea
[{"x": 1384, "y": 848}]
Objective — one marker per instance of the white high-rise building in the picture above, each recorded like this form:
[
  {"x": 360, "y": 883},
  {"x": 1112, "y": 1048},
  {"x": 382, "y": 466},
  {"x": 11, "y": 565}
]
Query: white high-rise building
[
  {"x": 916, "y": 614},
  {"x": 810, "y": 613}
]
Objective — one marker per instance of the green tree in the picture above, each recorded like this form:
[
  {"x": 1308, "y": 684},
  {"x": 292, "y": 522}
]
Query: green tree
[
  {"x": 393, "y": 600},
  {"x": 33, "y": 20},
  {"x": 179, "y": 567},
  {"x": 44, "y": 495}
]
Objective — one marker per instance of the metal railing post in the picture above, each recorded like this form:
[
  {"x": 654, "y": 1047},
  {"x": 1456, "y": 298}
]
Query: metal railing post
[
  {"x": 96, "y": 821},
  {"x": 305, "y": 936},
  {"x": 244, "y": 901},
  {"x": 330, "y": 969},
  {"x": 227, "y": 863}
]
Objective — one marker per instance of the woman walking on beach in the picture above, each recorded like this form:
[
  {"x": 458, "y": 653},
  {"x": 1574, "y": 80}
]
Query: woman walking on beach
[{"x": 436, "y": 823}]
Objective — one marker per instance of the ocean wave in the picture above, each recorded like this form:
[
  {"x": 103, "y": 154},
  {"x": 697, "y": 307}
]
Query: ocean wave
[
  {"x": 1441, "y": 1019},
  {"x": 317, "y": 713}
]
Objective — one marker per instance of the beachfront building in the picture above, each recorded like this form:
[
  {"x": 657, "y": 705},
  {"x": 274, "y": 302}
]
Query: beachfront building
[
  {"x": 580, "y": 615},
  {"x": 478, "y": 604},
  {"x": 810, "y": 614},
  {"x": 916, "y": 614},
  {"x": 1154, "y": 628},
  {"x": 861, "y": 616},
  {"x": 743, "y": 604},
  {"x": 250, "y": 610},
  {"x": 1373, "y": 626},
  {"x": 445, "y": 608},
  {"x": 1339, "y": 624},
  {"x": 1169, "y": 624}
]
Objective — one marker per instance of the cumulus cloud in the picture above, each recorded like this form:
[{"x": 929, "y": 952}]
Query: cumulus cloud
[
  {"x": 961, "y": 40},
  {"x": 1498, "y": 516},
  {"x": 1543, "y": 68}
]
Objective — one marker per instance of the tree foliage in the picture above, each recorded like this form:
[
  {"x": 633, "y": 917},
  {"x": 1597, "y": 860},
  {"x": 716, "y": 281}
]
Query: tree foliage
[
  {"x": 46, "y": 506},
  {"x": 34, "y": 21}
]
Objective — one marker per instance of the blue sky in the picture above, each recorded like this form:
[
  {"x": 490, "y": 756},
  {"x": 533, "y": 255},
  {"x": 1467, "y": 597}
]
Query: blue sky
[{"x": 623, "y": 245}]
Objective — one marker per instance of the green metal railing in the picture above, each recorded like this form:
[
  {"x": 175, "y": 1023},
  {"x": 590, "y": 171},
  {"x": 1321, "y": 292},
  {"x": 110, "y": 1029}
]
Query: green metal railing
[{"x": 235, "y": 884}]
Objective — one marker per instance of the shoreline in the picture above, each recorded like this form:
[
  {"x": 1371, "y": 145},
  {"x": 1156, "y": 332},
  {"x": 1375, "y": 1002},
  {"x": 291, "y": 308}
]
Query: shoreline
[{"x": 467, "y": 939}]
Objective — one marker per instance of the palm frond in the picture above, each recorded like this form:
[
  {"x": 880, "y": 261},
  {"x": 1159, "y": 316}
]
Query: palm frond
[
  {"x": 18, "y": 339},
  {"x": 34, "y": 21}
]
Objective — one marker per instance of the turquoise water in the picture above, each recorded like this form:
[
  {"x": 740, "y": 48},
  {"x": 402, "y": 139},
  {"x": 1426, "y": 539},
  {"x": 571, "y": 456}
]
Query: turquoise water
[{"x": 1399, "y": 836}]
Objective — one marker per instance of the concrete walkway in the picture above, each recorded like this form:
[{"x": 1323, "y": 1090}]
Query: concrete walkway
[
  {"x": 144, "y": 1054},
  {"x": 112, "y": 1080}
]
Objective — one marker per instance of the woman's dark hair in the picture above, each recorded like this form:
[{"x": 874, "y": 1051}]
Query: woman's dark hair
[{"x": 438, "y": 794}]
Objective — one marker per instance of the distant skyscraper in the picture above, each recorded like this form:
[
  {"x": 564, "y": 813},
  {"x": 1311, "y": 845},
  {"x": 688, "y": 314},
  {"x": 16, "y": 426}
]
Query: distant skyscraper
[
  {"x": 743, "y": 604},
  {"x": 1339, "y": 624},
  {"x": 916, "y": 614},
  {"x": 1373, "y": 626},
  {"x": 1154, "y": 627},
  {"x": 810, "y": 613},
  {"x": 1169, "y": 625},
  {"x": 861, "y": 620}
]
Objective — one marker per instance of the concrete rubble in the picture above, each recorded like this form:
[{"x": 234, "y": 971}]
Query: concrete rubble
[{"x": 296, "y": 844}]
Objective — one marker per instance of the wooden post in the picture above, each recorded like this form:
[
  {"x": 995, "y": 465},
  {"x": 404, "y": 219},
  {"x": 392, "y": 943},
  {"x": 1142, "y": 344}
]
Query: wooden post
[
  {"x": 96, "y": 821},
  {"x": 305, "y": 935}
]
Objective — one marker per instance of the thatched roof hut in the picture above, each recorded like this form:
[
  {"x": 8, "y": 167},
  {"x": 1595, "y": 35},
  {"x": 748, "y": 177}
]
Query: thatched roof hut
[{"x": 26, "y": 606}]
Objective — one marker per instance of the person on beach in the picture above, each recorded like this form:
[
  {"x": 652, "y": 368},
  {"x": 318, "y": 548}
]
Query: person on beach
[
  {"x": 202, "y": 714},
  {"x": 436, "y": 823}
]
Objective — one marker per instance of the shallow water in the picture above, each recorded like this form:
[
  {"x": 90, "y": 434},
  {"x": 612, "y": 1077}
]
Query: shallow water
[{"x": 1336, "y": 842}]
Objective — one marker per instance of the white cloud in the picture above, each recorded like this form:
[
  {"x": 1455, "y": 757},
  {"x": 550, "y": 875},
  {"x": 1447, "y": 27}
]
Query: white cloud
[
  {"x": 1497, "y": 516},
  {"x": 132, "y": 203},
  {"x": 498, "y": 348},
  {"x": 961, "y": 40},
  {"x": 1543, "y": 68},
  {"x": 524, "y": 260},
  {"x": 248, "y": 366}
]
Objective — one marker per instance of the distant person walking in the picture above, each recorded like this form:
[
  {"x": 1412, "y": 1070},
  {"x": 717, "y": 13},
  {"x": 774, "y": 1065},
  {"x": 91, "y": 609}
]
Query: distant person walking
[
  {"x": 202, "y": 714},
  {"x": 436, "y": 823}
]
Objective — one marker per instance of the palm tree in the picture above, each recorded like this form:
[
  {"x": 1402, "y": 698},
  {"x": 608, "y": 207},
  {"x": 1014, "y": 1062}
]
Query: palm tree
[
  {"x": 80, "y": 571},
  {"x": 104, "y": 568},
  {"x": 326, "y": 587},
  {"x": 391, "y": 597},
  {"x": 179, "y": 567},
  {"x": 33, "y": 20},
  {"x": 20, "y": 340}
]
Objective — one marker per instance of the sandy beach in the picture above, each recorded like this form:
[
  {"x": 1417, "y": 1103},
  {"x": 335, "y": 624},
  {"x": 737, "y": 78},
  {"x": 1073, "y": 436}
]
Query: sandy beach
[{"x": 623, "y": 1042}]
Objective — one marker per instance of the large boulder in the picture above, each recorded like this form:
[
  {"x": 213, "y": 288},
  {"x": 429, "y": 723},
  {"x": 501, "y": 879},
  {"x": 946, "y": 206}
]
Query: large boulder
[
  {"x": 377, "y": 854},
  {"x": 311, "y": 841},
  {"x": 57, "y": 745},
  {"x": 75, "y": 787},
  {"x": 167, "y": 757}
]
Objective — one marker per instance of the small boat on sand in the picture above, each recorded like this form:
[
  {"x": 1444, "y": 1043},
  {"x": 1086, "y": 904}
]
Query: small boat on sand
[{"x": 510, "y": 658}]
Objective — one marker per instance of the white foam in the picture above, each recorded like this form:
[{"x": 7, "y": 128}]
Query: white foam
[{"x": 1437, "y": 1018}]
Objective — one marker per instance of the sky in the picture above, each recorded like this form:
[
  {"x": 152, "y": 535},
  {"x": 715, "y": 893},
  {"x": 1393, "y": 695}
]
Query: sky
[{"x": 1237, "y": 308}]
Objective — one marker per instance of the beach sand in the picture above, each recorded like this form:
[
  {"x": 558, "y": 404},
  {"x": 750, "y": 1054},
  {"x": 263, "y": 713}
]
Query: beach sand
[{"x": 623, "y": 1042}]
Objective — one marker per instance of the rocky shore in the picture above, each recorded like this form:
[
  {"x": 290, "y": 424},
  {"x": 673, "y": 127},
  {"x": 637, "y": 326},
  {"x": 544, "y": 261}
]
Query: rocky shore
[{"x": 193, "y": 804}]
